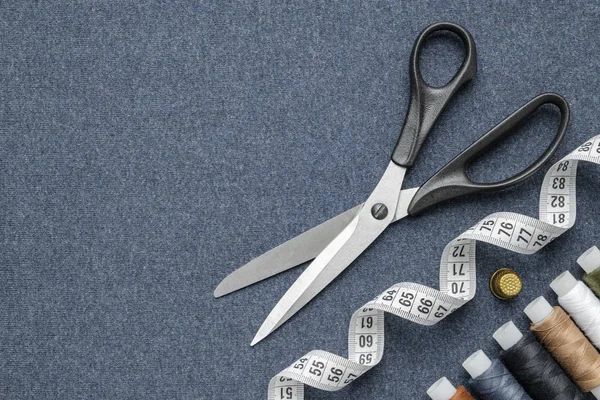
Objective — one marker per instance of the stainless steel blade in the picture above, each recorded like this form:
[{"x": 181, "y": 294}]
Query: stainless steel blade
[
  {"x": 338, "y": 254},
  {"x": 294, "y": 252},
  {"x": 299, "y": 249},
  {"x": 406, "y": 196}
]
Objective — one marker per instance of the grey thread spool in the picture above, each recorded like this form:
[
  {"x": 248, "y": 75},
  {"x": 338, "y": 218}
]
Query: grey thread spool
[{"x": 494, "y": 382}]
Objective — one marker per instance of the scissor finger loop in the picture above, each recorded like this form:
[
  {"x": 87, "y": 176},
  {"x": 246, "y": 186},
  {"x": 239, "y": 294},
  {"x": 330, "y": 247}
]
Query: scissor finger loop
[{"x": 453, "y": 179}]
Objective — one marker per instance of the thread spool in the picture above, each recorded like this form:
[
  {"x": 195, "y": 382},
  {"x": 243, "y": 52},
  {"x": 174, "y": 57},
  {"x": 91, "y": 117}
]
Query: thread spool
[
  {"x": 567, "y": 344},
  {"x": 590, "y": 262},
  {"x": 581, "y": 303},
  {"x": 443, "y": 389},
  {"x": 491, "y": 379},
  {"x": 533, "y": 366}
]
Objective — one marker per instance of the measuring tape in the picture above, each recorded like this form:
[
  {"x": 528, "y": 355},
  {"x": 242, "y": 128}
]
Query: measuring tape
[{"x": 427, "y": 306}]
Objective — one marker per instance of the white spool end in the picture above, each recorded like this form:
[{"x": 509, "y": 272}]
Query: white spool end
[
  {"x": 596, "y": 392},
  {"x": 507, "y": 335},
  {"x": 477, "y": 364},
  {"x": 441, "y": 390},
  {"x": 563, "y": 284},
  {"x": 590, "y": 260},
  {"x": 538, "y": 310}
]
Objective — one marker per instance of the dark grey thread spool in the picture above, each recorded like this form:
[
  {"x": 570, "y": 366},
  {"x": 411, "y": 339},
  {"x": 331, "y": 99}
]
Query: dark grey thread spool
[
  {"x": 496, "y": 383},
  {"x": 537, "y": 371}
]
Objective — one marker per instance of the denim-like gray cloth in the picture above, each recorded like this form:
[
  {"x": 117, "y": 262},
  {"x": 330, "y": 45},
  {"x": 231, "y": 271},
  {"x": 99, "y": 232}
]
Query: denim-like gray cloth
[{"x": 148, "y": 149}]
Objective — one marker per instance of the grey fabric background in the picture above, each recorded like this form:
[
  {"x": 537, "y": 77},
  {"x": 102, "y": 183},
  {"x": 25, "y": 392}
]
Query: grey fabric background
[{"x": 148, "y": 149}]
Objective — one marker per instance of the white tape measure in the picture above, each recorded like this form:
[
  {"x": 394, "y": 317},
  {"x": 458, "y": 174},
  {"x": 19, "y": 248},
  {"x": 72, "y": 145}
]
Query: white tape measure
[{"x": 427, "y": 306}]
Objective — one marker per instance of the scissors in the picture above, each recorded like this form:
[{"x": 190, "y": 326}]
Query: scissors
[{"x": 336, "y": 243}]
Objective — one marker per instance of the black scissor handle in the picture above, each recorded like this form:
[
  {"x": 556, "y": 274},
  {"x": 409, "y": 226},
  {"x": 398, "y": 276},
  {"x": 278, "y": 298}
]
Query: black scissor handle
[
  {"x": 427, "y": 102},
  {"x": 453, "y": 180}
]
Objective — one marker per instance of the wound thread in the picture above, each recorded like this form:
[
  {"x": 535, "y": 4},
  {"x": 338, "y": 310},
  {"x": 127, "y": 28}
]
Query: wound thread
[
  {"x": 538, "y": 372},
  {"x": 462, "y": 394},
  {"x": 496, "y": 383},
  {"x": 584, "y": 308},
  {"x": 593, "y": 281},
  {"x": 568, "y": 345}
]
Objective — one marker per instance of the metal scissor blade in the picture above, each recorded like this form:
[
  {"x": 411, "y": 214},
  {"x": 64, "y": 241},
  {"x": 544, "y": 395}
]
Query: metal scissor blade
[
  {"x": 299, "y": 249},
  {"x": 338, "y": 254},
  {"x": 296, "y": 251}
]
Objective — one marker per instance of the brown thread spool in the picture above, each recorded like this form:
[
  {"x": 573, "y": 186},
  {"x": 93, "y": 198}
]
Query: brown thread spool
[
  {"x": 443, "y": 389},
  {"x": 568, "y": 345},
  {"x": 462, "y": 394}
]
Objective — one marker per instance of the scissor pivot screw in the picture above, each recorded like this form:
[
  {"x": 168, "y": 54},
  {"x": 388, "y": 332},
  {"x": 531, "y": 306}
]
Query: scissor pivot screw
[{"x": 379, "y": 211}]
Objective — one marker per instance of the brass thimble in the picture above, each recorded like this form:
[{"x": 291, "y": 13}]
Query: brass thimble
[{"x": 505, "y": 284}]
